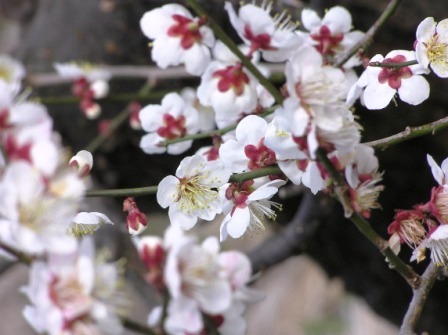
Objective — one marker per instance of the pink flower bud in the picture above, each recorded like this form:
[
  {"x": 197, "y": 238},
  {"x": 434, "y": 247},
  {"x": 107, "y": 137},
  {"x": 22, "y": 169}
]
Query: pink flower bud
[
  {"x": 134, "y": 119},
  {"x": 136, "y": 221},
  {"x": 82, "y": 163}
]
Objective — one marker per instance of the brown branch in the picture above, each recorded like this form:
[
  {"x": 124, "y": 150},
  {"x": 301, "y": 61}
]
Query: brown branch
[
  {"x": 409, "y": 133},
  {"x": 20, "y": 255},
  {"x": 363, "y": 225},
  {"x": 419, "y": 297}
]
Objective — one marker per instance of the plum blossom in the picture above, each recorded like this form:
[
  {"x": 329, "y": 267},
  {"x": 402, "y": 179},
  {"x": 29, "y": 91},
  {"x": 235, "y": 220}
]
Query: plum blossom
[
  {"x": 174, "y": 118},
  {"x": 247, "y": 205},
  {"x": 75, "y": 294},
  {"x": 431, "y": 47},
  {"x": 227, "y": 87},
  {"x": 363, "y": 177},
  {"x": 275, "y": 37},
  {"x": 206, "y": 114},
  {"x": 201, "y": 282},
  {"x": 89, "y": 82},
  {"x": 192, "y": 194},
  {"x": 378, "y": 85},
  {"x": 332, "y": 35},
  {"x": 178, "y": 38},
  {"x": 247, "y": 152},
  {"x": 35, "y": 214},
  {"x": 437, "y": 242}
]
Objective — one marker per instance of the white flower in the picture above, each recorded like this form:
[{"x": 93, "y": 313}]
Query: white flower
[
  {"x": 96, "y": 76},
  {"x": 34, "y": 215},
  {"x": 320, "y": 89},
  {"x": 228, "y": 87},
  {"x": 196, "y": 283},
  {"x": 275, "y": 37},
  {"x": 247, "y": 151},
  {"x": 74, "y": 294},
  {"x": 432, "y": 46},
  {"x": 174, "y": 118},
  {"x": 382, "y": 83},
  {"x": 331, "y": 36},
  {"x": 437, "y": 242},
  {"x": 192, "y": 194},
  {"x": 178, "y": 38},
  {"x": 247, "y": 207}
]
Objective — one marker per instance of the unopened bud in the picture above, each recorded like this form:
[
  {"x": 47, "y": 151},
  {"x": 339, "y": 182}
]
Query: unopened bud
[
  {"x": 82, "y": 163},
  {"x": 136, "y": 221},
  {"x": 100, "y": 88}
]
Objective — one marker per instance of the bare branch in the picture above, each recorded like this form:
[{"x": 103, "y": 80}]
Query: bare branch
[{"x": 419, "y": 297}]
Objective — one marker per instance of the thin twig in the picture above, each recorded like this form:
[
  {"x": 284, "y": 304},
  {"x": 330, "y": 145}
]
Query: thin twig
[
  {"x": 140, "y": 191},
  {"x": 20, "y": 255},
  {"x": 393, "y": 65},
  {"x": 418, "y": 301},
  {"x": 365, "y": 42},
  {"x": 116, "y": 122},
  {"x": 409, "y": 133},
  {"x": 137, "y": 327},
  {"x": 37, "y": 80},
  {"x": 364, "y": 227}
]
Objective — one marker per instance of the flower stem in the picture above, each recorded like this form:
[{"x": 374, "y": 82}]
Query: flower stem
[
  {"x": 365, "y": 228},
  {"x": 409, "y": 133},
  {"x": 365, "y": 42},
  {"x": 20, "y": 255},
  {"x": 140, "y": 191},
  {"x": 137, "y": 327},
  {"x": 122, "y": 192},
  {"x": 221, "y": 34},
  {"x": 393, "y": 65}
]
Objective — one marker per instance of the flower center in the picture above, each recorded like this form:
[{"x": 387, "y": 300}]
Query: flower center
[
  {"x": 260, "y": 41},
  {"x": 238, "y": 193},
  {"x": 5, "y": 74},
  {"x": 260, "y": 156},
  {"x": 15, "y": 151},
  {"x": 68, "y": 294},
  {"x": 326, "y": 42},
  {"x": 437, "y": 52},
  {"x": 393, "y": 76},
  {"x": 232, "y": 77},
  {"x": 194, "y": 196},
  {"x": 187, "y": 29},
  {"x": 172, "y": 127}
]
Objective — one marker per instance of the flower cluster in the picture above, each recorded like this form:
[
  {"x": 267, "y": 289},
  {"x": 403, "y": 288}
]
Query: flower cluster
[
  {"x": 76, "y": 293},
  {"x": 425, "y": 226},
  {"x": 203, "y": 284},
  {"x": 89, "y": 83}
]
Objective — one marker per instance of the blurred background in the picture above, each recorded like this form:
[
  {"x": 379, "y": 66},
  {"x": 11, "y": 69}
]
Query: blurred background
[{"x": 327, "y": 281}]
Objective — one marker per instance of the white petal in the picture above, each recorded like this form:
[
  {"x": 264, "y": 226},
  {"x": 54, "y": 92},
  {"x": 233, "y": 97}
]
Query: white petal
[
  {"x": 338, "y": 20},
  {"x": 180, "y": 219},
  {"x": 378, "y": 96},
  {"x": 168, "y": 191},
  {"x": 414, "y": 90},
  {"x": 310, "y": 19},
  {"x": 426, "y": 30},
  {"x": 436, "y": 170},
  {"x": 239, "y": 222}
]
